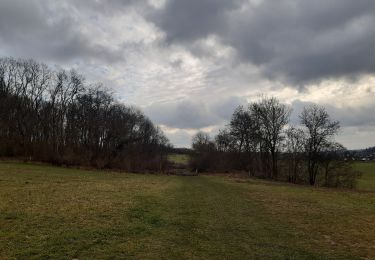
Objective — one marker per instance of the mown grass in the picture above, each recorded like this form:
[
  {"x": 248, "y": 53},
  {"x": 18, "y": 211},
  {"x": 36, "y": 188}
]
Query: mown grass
[
  {"x": 367, "y": 180},
  {"x": 57, "y": 213}
]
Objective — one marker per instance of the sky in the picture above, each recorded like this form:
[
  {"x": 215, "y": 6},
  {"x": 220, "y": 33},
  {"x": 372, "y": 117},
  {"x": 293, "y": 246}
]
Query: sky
[{"x": 189, "y": 63}]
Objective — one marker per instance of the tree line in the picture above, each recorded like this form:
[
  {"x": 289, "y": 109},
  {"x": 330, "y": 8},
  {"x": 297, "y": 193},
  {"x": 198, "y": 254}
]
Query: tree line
[
  {"x": 55, "y": 116},
  {"x": 261, "y": 141}
]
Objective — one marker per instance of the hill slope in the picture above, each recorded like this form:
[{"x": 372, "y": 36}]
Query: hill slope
[{"x": 48, "y": 212}]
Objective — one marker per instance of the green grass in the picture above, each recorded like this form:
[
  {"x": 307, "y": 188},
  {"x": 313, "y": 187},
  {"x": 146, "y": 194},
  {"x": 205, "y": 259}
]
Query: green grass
[
  {"x": 367, "y": 180},
  {"x": 58, "y": 213},
  {"x": 179, "y": 158}
]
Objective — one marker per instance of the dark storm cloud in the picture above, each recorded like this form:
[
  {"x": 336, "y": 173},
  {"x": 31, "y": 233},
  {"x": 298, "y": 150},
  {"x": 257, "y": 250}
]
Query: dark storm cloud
[
  {"x": 189, "y": 20},
  {"x": 347, "y": 116},
  {"x": 308, "y": 40},
  {"x": 29, "y": 29},
  {"x": 299, "y": 41},
  {"x": 294, "y": 40}
]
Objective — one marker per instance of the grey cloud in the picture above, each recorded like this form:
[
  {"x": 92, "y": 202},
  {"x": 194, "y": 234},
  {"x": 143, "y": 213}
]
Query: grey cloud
[
  {"x": 107, "y": 7},
  {"x": 357, "y": 137},
  {"x": 347, "y": 116},
  {"x": 180, "y": 138},
  {"x": 291, "y": 42},
  {"x": 225, "y": 107},
  {"x": 27, "y": 29},
  {"x": 194, "y": 114},
  {"x": 185, "y": 114},
  {"x": 190, "y": 20},
  {"x": 298, "y": 41},
  {"x": 353, "y": 116}
]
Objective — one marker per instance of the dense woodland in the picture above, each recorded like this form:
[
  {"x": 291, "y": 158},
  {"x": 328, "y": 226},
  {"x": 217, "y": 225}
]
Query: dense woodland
[
  {"x": 261, "y": 141},
  {"x": 54, "y": 116}
]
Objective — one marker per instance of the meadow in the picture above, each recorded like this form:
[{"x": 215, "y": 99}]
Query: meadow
[
  {"x": 61, "y": 213},
  {"x": 367, "y": 180},
  {"x": 179, "y": 158}
]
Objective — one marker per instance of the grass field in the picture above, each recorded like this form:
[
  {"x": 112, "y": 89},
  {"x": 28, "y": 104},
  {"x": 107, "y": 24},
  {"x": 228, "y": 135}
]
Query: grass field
[
  {"x": 367, "y": 180},
  {"x": 57, "y": 213},
  {"x": 179, "y": 158}
]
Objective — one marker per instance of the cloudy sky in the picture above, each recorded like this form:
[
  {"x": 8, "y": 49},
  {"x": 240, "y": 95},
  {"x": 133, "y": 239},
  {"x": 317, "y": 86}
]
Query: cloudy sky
[{"x": 189, "y": 63}]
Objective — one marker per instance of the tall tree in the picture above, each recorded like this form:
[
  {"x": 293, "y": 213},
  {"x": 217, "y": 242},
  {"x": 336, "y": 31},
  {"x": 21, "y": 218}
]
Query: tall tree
[
  {"x": 295, "y": 144},
  {"x": 54, "y": 116},
  {"x": 273, "y": 117},
  {"x": 204, "y": 150},
  {"x": 320, "y": 129},
  {"x": 224, "y": 140}
]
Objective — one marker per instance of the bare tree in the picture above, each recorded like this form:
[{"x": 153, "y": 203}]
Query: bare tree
[
  {"x": 319, "y": 129},
  {"x": 273, "y": 117},
  {"x": 204, "y": 152},
  {"x": 239, "y": 128},
  {"x": 244, "y": 128},
  {"x": 224, "y": 140},
  {"x": 55, "y": 117},
  {"x": 201, "y": 141},
  {"x": 295, "y": 144},
  {"x": 330, "y": 160}
]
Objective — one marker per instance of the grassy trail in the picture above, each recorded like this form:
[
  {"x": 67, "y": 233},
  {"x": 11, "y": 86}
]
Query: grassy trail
[
  {"x": 48, "y": 212},
  {"x": 215, "y": 220}
]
